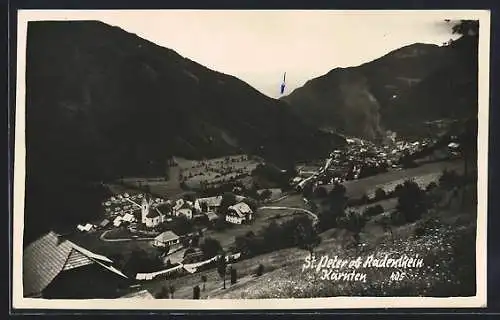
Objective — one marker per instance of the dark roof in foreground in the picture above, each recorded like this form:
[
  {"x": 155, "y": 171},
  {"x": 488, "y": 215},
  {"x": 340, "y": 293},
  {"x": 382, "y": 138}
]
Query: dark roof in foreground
[
  {"x": 43, "y": 260},
  {"x": 48, "y": 256}
]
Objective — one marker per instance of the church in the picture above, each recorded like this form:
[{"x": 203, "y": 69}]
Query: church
[{"x": 151, "y": 216}]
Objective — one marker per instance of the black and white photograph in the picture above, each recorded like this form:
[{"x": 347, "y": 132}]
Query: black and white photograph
[{"x": 257, "y": 159}]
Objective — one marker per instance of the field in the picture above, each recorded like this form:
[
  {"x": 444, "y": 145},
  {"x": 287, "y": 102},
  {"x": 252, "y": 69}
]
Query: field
[
  {"x": 215, "y": 171},
  {"x": 276, "y": 194},
  {"x": 292, "y": 201},
  {"x": 93, "y": 242},
  {"x": 284, "y": 276},
  {"x": 423, "y": 175},
  {"x": 158, "y": 186}
]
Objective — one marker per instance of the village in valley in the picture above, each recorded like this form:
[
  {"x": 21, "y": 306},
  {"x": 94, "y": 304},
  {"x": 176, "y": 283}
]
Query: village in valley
[
  {"x": 151, "y": 176},
  {"x": 156, "y": 230}
]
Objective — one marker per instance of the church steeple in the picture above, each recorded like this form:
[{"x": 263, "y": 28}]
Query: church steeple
[{"x": 145, "y": 205}]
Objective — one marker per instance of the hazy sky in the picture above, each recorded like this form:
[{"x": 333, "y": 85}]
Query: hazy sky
[{"x": 259, "y": 46}]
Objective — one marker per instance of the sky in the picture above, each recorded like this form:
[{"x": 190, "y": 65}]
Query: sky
[{"x": 260, "y": 46}]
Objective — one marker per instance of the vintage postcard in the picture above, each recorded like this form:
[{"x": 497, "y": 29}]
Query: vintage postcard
[{"x": 253, "y": 159}]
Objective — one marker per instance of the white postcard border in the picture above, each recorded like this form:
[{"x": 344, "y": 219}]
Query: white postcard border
[{"x": 478, "y": 301}]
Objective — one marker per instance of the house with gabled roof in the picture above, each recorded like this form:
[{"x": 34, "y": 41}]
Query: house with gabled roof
[
  {"x": 166, "y": 239},
  {"x": 183, "y": 208},
  {"x": 104, "y": 223},
  {"x": 54, "y": 267},
  {"x": 209, "y": 204},
  {"x": 239, "y": 213}
]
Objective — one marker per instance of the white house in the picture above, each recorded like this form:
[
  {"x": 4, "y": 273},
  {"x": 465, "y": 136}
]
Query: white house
[
  {"x": 166, "y": 239},
  {"x": 178, "y": 204},
  {"x": 239, "y": 213},
  {"x": 118, "y": 221},
  {"x": 186, "y": 211},
  {"x": 183, "y": 208},
  {"x": 128, "y": 217},
  {"x": 88, "y": 227}
]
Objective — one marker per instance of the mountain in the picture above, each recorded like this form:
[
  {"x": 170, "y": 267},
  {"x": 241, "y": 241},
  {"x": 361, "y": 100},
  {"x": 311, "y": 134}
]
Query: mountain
[
  {"x": 103, "y": 103},
  {"x": 416, "y": 83}
]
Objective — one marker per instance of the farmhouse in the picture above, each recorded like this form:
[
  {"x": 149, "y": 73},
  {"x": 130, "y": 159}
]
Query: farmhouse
[
  {"x": 57, "y": 268},
  {"x": 128, "y": 217},
  {"x": 186, "y": 211},
  {"x": 209, "y": 204},
  {"x": 118, "y": 221},
  {"x": 86, "y": 227},
  {"x": 183, "y": 208},
  {"x": 239, "y": 213},
  {"x": 166, "y": 239},
  {"x": 104, "y": 223}
]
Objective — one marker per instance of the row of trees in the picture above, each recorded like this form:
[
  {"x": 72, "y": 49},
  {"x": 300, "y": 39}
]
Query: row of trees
[
  {"x": 279, "y": 178},
  {"x": 222, "y": 271},
  {"x": 412, "y": 203},
  {"x": 298, "y": 232},
  {"x": 448, "y": 179}
]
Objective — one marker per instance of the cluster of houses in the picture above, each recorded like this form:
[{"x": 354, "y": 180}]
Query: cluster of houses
[
  {"x": 148, "y": 213},
  {"x": 122, "y": 204},
  {"x": 237, "y": 214},
  {"x": 151, "y": 212},
  {"x": 358, "y": 155}
]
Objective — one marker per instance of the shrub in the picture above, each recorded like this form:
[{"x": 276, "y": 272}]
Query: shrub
[
  {"x": 373, "y": 211},
  {"x": 204, "y": 280},
  {"x": 431, "y": 186},
  {"x": 424, "y": 226},
  {"x": 380, "y": 194},
  {"x": 266, "y": 194},
  {"x": 210, "y": 247},
  {"x": 234, "y": 275},
  {"x": 352, "y": 221},
  {"x": 396, "y": 218},
  {"x": 411, "y": 201},
  {"x": 196, "y": 292},
  {"x": 260, "y": 270},
  {"x": 220, "y": 223},
  {"x": 163, "y": 294},
  {"x": 449, "y": 179},
  {"x": 364, "y": 199},
  {"x": 320, "y": 192}
]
